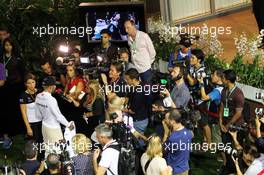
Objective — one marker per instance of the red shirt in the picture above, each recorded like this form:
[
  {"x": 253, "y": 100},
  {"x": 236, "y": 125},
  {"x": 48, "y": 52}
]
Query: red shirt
[{"x": 74, "y": 82}]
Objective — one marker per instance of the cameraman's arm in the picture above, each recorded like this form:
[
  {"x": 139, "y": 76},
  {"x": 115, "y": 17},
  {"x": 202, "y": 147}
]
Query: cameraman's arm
[
  {"x": 258, "y": 124},
  {"x": 234, "y": 136},
  {"x": 205, "y": 97},
  {"x": 235, "y": 117},
  {"x": 192, "y": 81}
]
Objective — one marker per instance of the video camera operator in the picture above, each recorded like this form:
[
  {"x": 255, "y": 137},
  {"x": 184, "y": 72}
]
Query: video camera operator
[
  {"x": 230, "y": 112},
  {"x": 124, "y": 57},
  {"x": 52, "y": 166},
  {"x": 181, "y": 54},
  {"x": 213, "y": 101},
  {"x": 107, "y": 48}
]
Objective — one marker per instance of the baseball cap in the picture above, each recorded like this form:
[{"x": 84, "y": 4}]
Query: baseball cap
[{"x": 48, "y": 81}]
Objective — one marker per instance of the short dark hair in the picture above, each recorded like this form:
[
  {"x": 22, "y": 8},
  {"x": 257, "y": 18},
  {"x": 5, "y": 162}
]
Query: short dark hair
[
  {"x": 29, "y": 150},
  {"x": 131, "y": 21},
  {"x": 29, "y": 76},
  {"x": 175, "y": 115},
  {"x": 118, "y": 65},
  {"x": 43, "y": 61},
  {"x": 4, "y": 28},
  {"x": 123, "y": 50},
  {"x": 105, "y": 31},
  {"x": 219, "y": 72},
  {"x": 185, "y": 41},
  {"x": 132, "y": 73},
  {"x": 199, "y": 54},
  {"x": 230, "y": 75}
]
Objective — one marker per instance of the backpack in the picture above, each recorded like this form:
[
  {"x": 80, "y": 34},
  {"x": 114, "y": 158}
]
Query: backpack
[{"x": 126, "y": 160}]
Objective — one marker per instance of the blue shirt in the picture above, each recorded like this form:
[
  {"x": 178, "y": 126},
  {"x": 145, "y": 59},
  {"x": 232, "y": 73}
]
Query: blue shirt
[
  {"x": 178, "y": 147},
  {"x": 179, "y": 57},
  {"x": 215, "y": 95}
]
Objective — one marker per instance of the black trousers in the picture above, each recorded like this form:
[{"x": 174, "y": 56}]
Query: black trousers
[{"x": 37, "y": 132}]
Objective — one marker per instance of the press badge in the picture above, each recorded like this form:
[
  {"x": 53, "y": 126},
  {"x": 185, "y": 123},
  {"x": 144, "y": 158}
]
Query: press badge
[{"x": 226, "y": 112}]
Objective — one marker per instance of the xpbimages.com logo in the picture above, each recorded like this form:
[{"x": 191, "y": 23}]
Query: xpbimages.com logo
[
  {"x": 59, "y": 30},
  {"x": 212, "y": 148}
]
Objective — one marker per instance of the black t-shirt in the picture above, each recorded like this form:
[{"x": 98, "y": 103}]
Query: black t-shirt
[
  {"x": 26, "y": 98},
  {"x": 119, "y": 87},
  {"x": 140, "y": 102},
  {"x": 15, "y": 69},
  {"x": 30, "y": 166}
]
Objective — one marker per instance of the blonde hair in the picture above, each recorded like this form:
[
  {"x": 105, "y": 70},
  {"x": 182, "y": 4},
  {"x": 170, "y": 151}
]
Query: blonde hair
[
  {"x": 154, "y": 147},
  {"x": 81, "y": 144},
  {"x": 95, "y": 90},
  {"x": 116, "y": 103}
]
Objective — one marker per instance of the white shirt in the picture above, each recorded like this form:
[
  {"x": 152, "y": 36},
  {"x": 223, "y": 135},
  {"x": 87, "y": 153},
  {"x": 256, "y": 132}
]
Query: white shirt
[
  {"x": 142, "y": 51},
  {"x": 47, "y": 107},
  {"x": 156, "y": 166},
  {"x": 256, "y": 167},
  {"x": 109, "y": 158}
]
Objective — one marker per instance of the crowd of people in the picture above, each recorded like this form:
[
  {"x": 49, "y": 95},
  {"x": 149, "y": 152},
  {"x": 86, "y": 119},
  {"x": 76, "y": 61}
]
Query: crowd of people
[{"x": 112, "y": 112}]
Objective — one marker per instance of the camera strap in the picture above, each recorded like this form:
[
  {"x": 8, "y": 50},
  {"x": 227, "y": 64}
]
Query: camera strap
[{"x": 147, "y": 165}]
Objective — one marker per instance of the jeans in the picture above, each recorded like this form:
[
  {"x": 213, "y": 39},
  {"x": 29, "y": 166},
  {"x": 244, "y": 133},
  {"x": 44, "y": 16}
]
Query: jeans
[
  {"x": 146, "y": 76},
  {"x": 141, "y": 125}
]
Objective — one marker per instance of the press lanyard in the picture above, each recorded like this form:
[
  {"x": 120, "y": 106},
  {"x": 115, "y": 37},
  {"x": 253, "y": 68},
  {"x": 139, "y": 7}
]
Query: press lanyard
[
  {"x": 228, "y": 95},
  {"x": 5, "y": 63},
  {"x": 134, "y": 44}
]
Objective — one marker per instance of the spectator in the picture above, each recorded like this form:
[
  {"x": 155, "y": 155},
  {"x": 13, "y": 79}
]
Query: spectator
[
  {"x": 142, "y": 50},
  {"x": 177, "y": 157},
  {"x": 2, "y": 75},
  {"x": 3, "y": 35},
  {"x": 152, "y": 162},
  {"x": 75, "y": 84},
  {"x": 214, "y": 100},
  {"x": 83, "y": 162},
  {"x": 181, "y": 54},
  {"x": 30, "y": 165},
  {"x": 27, "y": 106},
  {"x": 139, "y": 101},
  {"x": 47, "y": 108},
  {"x": 109, "y": 155},
  {"x": 230, "y": 112}
]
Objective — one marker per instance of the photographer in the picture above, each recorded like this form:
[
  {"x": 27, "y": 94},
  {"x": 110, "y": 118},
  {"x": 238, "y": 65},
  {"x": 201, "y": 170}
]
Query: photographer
[
  {"x": 124, "y": 57},
  {"x": 176, "y": 157},
  {"x": 180, "y": 96},
  {"x": 213, "y": 100},
  {"x": 109, "y": 156},
  {"x": 182, "y": 54},
  {"x": 197, "y": 68},
  {"x": 255, "y": 157},
  {"x": 230, "y": 111},
  {"x": 116, "y": 86}
]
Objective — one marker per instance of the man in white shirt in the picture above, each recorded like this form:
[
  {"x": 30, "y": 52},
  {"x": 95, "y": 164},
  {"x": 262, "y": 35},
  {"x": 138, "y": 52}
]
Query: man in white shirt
[
  {"x": 47, "y": 107},
  {"x": 142, "y": 50},
  {"x": 109, "y": 156}
]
